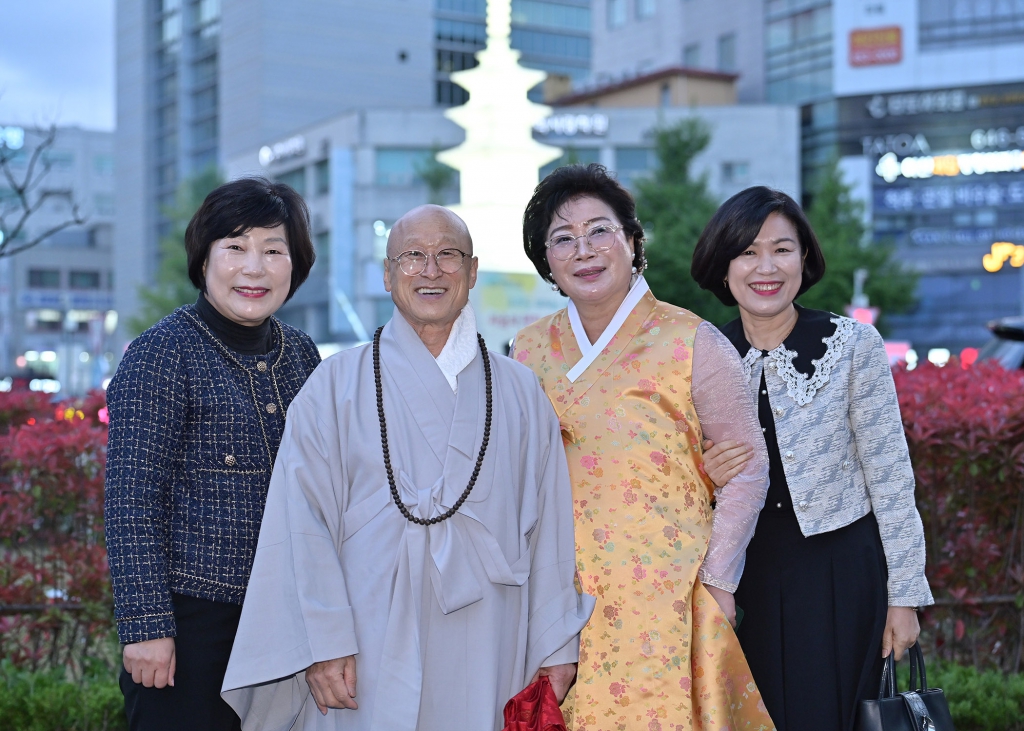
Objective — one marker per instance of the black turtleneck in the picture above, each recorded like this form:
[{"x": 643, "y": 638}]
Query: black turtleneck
[{"x": 244, "y": 339}]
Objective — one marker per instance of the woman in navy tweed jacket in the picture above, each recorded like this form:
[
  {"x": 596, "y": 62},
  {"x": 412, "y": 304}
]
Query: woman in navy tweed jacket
[{"x": 197, "y": 410}]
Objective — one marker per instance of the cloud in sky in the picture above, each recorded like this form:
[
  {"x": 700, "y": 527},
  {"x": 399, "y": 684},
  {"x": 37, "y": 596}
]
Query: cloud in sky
[{"x": 57, "y": 63}]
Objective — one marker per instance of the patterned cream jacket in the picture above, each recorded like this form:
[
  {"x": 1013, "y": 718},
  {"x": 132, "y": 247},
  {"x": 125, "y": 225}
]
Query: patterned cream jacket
[{"x": 842, "y": 444}]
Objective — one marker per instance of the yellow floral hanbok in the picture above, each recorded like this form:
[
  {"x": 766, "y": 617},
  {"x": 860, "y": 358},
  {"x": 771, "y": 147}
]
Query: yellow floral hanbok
[{"x": 658, "y": 653}]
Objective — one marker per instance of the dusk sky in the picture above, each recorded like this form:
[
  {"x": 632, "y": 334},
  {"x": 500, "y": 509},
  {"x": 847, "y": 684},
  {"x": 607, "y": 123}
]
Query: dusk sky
[{"x": 57, "y": 63}]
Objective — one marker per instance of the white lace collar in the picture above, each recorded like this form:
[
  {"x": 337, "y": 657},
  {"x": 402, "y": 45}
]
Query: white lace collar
[
  {"x": 799, "y": 386},
  {"x": 461, "y": 347},
  {"x": 588, "y": 351}
]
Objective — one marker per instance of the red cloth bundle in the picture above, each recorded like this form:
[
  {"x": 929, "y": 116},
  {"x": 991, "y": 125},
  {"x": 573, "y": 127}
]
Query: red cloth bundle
[{"x": 534, "y": 708}]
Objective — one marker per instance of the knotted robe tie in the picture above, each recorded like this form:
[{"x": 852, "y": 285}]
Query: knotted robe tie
[{"x": 452, "y": 579}]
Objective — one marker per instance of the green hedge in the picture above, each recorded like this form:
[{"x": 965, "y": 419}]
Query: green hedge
[
  {"x": 978, "y": 700},
  {"x": 48, "y": 701}
]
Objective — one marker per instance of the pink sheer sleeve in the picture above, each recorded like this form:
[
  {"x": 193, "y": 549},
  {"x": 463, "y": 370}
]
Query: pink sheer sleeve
[{"x": 727, "y": 410}]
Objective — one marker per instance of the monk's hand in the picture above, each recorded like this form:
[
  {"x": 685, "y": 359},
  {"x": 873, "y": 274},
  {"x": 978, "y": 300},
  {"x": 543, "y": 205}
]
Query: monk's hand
[
  {"x": 901, "y": 631},
  {"x": 561, "y": 678},
  {"x": 726, "y": 601},
  {"x": 725, "y": 460},
  {"x": 151, "y": 663},
  {"x": 333, "y": 683}
]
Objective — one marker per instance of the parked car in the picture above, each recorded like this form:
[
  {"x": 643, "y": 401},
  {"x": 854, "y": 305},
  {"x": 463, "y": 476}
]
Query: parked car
[{"x": 1007, "y": 343}]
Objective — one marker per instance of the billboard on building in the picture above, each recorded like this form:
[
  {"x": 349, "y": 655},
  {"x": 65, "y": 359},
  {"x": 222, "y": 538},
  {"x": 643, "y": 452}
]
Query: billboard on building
[{"x": 893, "y": 45}]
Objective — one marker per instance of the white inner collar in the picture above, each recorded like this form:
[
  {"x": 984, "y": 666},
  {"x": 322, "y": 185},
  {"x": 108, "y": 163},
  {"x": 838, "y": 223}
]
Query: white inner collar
[
  {"x": 588, "y": 351},
  {"x": 460, "y": 349}
]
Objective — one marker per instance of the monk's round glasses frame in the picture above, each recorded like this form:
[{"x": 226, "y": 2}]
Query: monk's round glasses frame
[{"x": 414, "y": 262}]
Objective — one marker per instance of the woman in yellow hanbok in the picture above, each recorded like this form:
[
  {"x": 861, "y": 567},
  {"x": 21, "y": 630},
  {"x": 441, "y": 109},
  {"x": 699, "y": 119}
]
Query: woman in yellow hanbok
[{"x": 638, "y": 385}]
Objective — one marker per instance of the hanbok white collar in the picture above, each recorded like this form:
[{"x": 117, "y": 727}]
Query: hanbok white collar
[
  {"x": 588, "y": 351},
  {"x": 461, "y": 348}
]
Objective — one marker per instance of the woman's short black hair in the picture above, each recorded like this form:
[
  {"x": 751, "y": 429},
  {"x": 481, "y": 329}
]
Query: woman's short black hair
[
  {"x": 568, "y": 183},
  {"x": 247, "y": 203},
  {"x": 733, "y": 229}
]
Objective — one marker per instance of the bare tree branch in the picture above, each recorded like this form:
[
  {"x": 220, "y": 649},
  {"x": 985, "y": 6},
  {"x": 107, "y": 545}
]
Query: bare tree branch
[{"x": 27, "y": 197}]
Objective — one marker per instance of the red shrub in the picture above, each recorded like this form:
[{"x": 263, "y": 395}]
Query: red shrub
[
  {"x": 965, "y": 427},
  {"x": 55, "y": 598}
]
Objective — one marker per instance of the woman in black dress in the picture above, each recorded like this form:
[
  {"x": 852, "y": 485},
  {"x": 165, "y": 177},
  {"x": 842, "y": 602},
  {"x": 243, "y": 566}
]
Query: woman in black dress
[{"x": 835, "y": 570}]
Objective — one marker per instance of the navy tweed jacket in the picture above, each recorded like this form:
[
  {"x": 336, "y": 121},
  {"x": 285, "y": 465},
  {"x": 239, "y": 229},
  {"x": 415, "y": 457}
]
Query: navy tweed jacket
[{"x": 194, "y": 429}]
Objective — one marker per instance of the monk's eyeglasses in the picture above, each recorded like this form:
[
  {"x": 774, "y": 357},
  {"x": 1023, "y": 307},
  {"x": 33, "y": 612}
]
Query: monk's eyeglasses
[
  {"x": 414, "y": 262},
  {"x": 564, "y": 246}
]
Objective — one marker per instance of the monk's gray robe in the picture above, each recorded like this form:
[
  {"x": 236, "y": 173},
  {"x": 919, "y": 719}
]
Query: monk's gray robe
[{"x": 446, "y": 622}]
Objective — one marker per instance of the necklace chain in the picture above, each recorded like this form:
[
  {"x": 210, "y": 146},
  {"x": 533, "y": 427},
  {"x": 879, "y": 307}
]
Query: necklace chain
[{"x": 384, "y": 437}]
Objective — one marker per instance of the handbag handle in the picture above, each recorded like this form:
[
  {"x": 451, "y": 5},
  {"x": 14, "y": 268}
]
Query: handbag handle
[
  {"x": 887, "y": 688},
  {"x": 917, "y": 661}
]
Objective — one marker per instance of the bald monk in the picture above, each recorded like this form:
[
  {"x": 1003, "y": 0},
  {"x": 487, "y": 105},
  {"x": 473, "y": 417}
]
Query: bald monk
[{"x": 359, "y": 616}]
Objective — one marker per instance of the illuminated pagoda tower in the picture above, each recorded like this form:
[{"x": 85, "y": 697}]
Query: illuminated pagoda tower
[
  {"x": 498, "y": 164},
  {"x": 499, "y": 160}
]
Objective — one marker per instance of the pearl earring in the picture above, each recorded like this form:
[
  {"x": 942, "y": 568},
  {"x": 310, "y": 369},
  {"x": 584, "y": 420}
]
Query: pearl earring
[
  {"x": 634, "y": 270},
  {"x": 554, "y": 287}
]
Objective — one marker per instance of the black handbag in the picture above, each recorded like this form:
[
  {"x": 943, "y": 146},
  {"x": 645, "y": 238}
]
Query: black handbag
[{"x": 919, "y": 709}]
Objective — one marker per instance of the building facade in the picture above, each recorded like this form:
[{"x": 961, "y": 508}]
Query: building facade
[
  {"x": 198, "y": 81},
  {"x": 637, "y": 37},
  {"x": 929, "y": 121},
  {"x": 361, "y": 171},
  {"x": 56, "y": 299}
]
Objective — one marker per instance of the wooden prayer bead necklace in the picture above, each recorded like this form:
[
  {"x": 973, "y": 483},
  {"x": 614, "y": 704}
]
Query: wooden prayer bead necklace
[{"x": 384, "y": 436}]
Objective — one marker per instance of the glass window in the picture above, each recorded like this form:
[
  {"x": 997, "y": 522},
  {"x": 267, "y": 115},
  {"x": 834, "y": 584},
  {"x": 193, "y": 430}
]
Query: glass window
[
  {"x": 634, "y": 162},
  {"x": 691, "y": 56},
  {"x": 84, "y": 280},
  {"x": 727, "y": 52},
  {"x": 778, "y": 33},
  {"x": 584, "y": 155},
  {"x": 170, "y": 28},
  {"x": 960, "y": 23},
  {"x": 205, "y": 102},
  {"x": 44, "y": 278},
  {"x": 735, "y": 172},
  {"x": 205, "y": 72},
  {"x": 322, "y": 177},
  {"x": 104, "y": 204},
  {"x": 541, "y": 43},
  {"x": 450, "y": 94},
  {"x": 449, "y": 61},
  {"x": 209, "y": 11},
  {"x": 103, "y": 165},
  {"x": 552, "y": 15},
  {"x": 646, "y": 8},
  {"x": 616, "y": 13},
  {"x": 468, "y": 7},
  {"x": 167, "y": 116},
  {"x": 167, "y": 146},
  {"x": 295, "y": 178},
  {"x": 59, "y": 159},
  {"x": 204, "y": 133},
  {"x": 204, "y": 159},
  {"x": 166, "y": 175},
  {"x": 460, "y": 31},
  {"x": 322, "y": 244},
  {"x": 167, "y": 88},
  {"x": 396, "y": 167}
]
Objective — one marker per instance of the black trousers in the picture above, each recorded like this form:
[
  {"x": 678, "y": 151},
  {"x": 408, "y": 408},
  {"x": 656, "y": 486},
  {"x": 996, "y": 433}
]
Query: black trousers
[
  {"x": 206, "y": 631},
  {"x": 815, "y": 611}
]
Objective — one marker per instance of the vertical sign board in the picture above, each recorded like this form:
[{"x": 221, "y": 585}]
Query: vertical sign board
[{"x": 343, "y": 243}]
